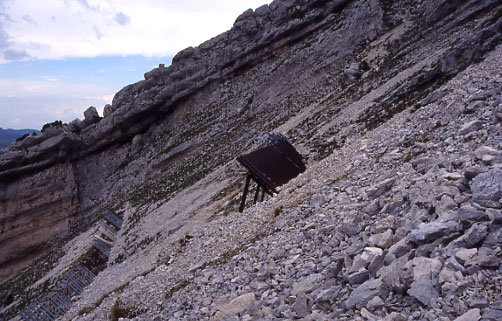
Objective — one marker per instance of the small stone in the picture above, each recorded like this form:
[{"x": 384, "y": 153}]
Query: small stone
[
  {"x": 429, "y": 232},
  {"x": 364, "y": 293},
  {"x": 307, "y": 285},
  {"x": 301, "y": 306},
  {"x": 481, "y": 152},
  {"x": 479, "y": 303},
  {"x": 358, "y": 277},
  {"x": 471, "y": 315},
  {"x": 470, "y": 127},
  {"x": 236, "y": 305},
  {"x": 382, "y": 240},
  {"x": 465, "y": 255},
  {"x": 487, "y": 188},
  {"x": 472, "y": 236},
  {"x": 452, "y": 176},
  {"x": 384, "y": 224},
  {"x": 492, "y": 314},
  {"x": 380, "y": 188},
  {"x": 423, "y": 290},
  {"x": 469, "y": 213},
  {"x": 375, "y": 304},
  {"x": 447, "y": 275}
]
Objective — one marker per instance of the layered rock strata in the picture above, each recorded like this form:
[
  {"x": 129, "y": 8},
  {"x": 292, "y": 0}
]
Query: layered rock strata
[{"x": 325, "y": 73}]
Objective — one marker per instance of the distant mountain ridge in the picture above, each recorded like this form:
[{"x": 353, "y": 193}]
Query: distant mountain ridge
[{"x": 7, "y": 136}]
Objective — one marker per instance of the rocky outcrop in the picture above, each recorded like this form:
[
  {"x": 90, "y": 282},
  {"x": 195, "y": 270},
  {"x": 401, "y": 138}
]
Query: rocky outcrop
[
  {"x": 404, "y": 173},
  {"x": 255, "y": 36}
]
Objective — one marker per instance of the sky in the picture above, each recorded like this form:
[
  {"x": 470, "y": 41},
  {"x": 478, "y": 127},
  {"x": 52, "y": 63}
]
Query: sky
[{"x": 58, "y": 57}]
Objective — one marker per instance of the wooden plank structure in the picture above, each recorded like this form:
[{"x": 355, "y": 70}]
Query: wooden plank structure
[
  {"x": 114, "y": 220},
  {"x": 58, "y": 301},
  {"x": 270, "y": 167}
]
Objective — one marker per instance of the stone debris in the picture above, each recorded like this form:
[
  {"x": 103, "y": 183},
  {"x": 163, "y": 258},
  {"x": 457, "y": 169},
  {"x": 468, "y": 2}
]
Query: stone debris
[{"x": 398, "y": 217}]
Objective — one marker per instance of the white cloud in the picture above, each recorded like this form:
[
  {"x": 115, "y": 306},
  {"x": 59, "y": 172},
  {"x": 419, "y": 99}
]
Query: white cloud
[
  {"x": 50, "y": 99},
  {"x": 53, "y": 29}
]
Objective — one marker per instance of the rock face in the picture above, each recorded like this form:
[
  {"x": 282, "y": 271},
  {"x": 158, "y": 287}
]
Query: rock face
[{"x": 394, "y": 104}]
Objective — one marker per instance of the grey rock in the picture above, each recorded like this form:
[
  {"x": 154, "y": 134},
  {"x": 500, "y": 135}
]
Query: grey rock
[
  {"x": 358, "y": 277},
  {"x": 425, "y": 286},
  {"x": 423, "y": 165},
  {"x": 423, "y": 290},
  {"x": 479, "y": 303},
  {"x": 364, "y": 293},
  {"x": 487, "y": 188},
  {"x": 380, "y": 188},
  {"x": 469, "y": 213},
  {"x": 494, "y": 239},
  {"x": 471, "y": 315},
  {"x": 373, "y": 207},
  {"x": 492, "y": 313},
  {"x": 375, "y": 304},
  {"x": 301, "y": 306},
  {"x": 429, "y": 232},
  {"x": 382, "y": 240},
  {"x": 474, "y": 171},
  {"x": 307, "y": 284},
  {"x": 91, "y": 117},
  {"x": 481, "y": 152},
  {"x": 470, "y": 127},
  {"x": 472, "y": 237}
]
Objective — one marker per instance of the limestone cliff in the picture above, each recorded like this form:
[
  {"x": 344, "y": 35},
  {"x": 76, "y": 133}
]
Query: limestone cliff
[{"x": 329, "y": 74}]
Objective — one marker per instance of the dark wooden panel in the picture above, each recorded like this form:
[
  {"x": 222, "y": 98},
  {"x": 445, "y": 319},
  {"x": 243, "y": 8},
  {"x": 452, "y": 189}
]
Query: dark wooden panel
[{"x": 272, "y": 166}]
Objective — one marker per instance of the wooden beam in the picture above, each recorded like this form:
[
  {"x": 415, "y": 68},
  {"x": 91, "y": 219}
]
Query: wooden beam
[
  {"x": 257, "y": 193},
  {"x": 244, "y": 195}
]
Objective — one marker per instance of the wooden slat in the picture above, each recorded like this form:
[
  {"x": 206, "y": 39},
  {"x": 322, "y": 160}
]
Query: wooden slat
[
  {"x": 272, "y": 166},
  {"x": 114, "y": 220}
]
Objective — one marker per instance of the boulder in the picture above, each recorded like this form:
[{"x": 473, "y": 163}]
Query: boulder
[
  {"x": 472, "y": 236},
  {"x": 91, "y": 117},
  {"x": 380, "y": 188},
  {"x": 429, "y": 232},
  {"x": 236, "y": 305},
  {"x": 470, "y": 127},
  {"x": 425, "y": 285},
  {"x": 469, "y": 213},
  {"x": 487, "y": 188},
  {"x": 364, "y": 293}
]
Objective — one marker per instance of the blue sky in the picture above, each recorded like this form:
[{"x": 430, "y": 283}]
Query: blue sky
[{"x": 58, "y": 57}]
